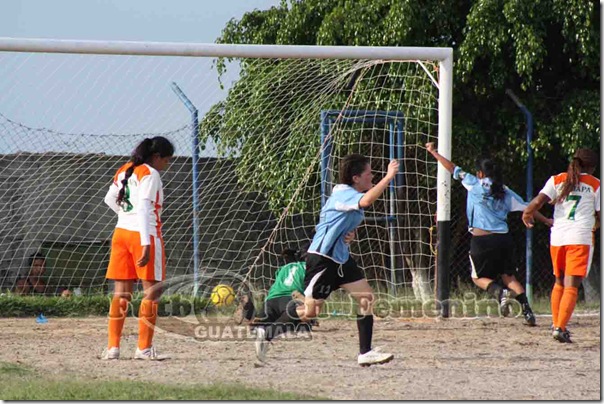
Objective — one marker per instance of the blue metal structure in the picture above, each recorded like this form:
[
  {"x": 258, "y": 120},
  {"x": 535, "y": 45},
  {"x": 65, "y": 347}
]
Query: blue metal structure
[
  {"x": 195, "y": 162},
  {"x": 395, "y": 122},
  {"x": 529, "y": 192}
]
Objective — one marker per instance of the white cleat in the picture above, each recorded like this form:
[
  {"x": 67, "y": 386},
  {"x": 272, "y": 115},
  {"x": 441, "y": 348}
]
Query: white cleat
[
  {"x": 149, "y": 354},
  {"x": 261, "y": 344},
  {"x": 374, "y": 357},
  {"x": 110, "y": 354}
]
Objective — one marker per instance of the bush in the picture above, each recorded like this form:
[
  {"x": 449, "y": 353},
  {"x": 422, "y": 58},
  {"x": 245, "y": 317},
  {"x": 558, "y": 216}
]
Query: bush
[{"x": 12, "y": 305}]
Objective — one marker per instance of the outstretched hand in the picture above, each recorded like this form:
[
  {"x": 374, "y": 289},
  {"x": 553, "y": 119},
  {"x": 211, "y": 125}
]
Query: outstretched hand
[{"x": 430, "y": 147}]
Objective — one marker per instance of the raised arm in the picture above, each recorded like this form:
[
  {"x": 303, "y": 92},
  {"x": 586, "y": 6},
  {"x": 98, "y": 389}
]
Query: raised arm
[
  {"x": 448, "y": 165},
  {"x": 374, "y": 193}
]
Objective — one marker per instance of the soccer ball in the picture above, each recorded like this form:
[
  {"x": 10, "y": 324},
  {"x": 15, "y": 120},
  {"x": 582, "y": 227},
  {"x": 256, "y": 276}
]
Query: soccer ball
[{"x": 222, "y": 295}]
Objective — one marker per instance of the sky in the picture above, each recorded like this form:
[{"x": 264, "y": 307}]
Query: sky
[{"x": 101, "y": 95}]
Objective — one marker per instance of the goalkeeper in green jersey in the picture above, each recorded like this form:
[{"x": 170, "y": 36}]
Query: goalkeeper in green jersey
[{"x": 286, "y": 293}]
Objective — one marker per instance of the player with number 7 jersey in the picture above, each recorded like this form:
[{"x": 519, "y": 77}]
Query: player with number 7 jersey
[{"x": 575, "y": 195}]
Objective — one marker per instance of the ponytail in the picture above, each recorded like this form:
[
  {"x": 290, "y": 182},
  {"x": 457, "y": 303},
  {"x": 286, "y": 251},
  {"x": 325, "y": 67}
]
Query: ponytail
[
  {"x": 583, "y": 160},
  {"x": 491, "y": 170},
  {"x": 142, "y": 154}
]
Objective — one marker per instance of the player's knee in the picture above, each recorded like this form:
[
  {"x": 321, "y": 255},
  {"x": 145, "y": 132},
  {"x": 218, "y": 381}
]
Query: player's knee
[{"x": 365, "y": 299}]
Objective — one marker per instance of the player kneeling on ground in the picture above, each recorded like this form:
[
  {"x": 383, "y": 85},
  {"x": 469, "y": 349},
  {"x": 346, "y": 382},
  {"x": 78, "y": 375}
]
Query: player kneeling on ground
[{"x": 285, "y": 295}]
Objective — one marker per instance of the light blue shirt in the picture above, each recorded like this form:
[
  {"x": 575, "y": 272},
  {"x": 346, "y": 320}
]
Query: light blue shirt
[
  {"x": 484, "y": 211},
  {"x": 340, "y": 215}
]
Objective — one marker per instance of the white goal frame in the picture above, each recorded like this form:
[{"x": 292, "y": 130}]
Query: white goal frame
[{"x": 445, "y": 85}]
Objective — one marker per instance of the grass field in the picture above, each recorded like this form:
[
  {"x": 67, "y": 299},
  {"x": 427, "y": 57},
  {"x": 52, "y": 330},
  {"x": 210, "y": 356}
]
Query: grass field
[{"x": 21, "y": 382}]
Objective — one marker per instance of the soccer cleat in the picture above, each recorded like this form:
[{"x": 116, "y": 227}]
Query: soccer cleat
[
  {"x": 149, "y": 354},
  {"x": 552, "y": 328},
  {"x": 504, "y": 302},
  {"x": 561, "y": 335},
  {"x": 374, "y": 357},
  {"x": 245, "y": 309},
  {"x": 110, "y": 354},
  {"x": 529, "y": 317},
  {"x": 261, "y": 344}
]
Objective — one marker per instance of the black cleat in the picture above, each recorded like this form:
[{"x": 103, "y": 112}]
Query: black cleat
[
  {"x": 529, "y": 317},
  {"x": 561, "y": 335}
]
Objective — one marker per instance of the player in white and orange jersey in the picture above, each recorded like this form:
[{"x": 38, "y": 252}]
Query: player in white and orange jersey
[
  {"x": 576, "y": 197},
  {"x": 137, "y": 248}
]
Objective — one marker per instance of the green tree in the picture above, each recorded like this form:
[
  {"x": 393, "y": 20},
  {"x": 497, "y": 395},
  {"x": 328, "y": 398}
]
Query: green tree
[{"x": 546, "y": 51}]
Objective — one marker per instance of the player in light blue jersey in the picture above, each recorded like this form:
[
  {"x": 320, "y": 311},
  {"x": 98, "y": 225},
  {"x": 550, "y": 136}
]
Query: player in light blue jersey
[
  {"x": 491, "y": 249},
  {"x": 328, "y": 262}
]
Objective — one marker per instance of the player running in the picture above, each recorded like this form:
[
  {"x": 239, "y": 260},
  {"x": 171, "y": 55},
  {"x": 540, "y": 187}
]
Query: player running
[{"x": 329, "y": 265}]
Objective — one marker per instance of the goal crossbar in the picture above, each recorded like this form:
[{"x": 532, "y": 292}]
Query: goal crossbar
[
  {"x": 222, "y": 50},
  {"x": 444, "y": 56}
]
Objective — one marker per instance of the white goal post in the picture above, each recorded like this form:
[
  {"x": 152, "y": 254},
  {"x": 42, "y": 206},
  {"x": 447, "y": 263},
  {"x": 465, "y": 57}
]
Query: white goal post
[{"x": 365, "y": 78}]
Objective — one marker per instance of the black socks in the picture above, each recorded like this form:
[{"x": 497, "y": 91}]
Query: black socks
[{"x": 365, "y": 326}]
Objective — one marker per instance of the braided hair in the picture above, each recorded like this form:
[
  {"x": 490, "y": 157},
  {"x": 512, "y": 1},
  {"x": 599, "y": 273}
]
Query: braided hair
[{"x": 142, "y": 154}]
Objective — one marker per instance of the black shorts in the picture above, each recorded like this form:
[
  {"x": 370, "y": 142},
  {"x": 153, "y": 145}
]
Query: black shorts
[
  {"x": 274, "y": 308},
  {"x": 323, "y": 275},
  {"x": 492, "y": 255}
]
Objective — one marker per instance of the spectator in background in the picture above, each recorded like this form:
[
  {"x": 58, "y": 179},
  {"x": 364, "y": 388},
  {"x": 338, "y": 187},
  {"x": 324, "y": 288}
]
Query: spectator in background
[{"x": 33, "y": 283}]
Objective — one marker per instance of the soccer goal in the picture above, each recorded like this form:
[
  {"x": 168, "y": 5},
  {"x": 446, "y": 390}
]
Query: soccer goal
[{"x": 259, "y": 133}]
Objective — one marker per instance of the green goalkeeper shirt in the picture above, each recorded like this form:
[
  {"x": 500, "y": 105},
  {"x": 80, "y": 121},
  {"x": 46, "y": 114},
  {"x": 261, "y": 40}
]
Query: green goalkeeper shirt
[{"x": 289, "y": 278}]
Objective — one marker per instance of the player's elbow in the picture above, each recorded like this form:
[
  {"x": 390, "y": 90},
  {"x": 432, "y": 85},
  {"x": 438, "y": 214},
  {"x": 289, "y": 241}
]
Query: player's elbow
[
  {"x": 109, "y": 200},
  {"x": 365, "y": 202}
]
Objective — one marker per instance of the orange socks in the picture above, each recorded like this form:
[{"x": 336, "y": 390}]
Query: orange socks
[
  {"x": 567, "y": 305},
  {"x": 147, "y": 316},
  {"x": 117, "y": 316},
  {"x": 557, "y": 292}
]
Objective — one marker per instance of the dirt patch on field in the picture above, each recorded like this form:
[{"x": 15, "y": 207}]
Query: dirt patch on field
[{"x": 453, "y": 359}]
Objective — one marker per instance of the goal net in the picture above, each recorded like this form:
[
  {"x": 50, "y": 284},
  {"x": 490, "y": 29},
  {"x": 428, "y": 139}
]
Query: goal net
[{"x": 252, "y": 168}]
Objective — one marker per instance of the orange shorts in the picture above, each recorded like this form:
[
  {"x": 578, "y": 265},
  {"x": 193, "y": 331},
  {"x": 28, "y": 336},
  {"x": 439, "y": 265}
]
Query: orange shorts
[
  {"x": 126, "y": 249},
  {"x": 571, "y": 259}
]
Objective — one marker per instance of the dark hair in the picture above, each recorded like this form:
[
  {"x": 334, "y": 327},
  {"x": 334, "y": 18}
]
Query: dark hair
[
  {"x": 351, "y": 165},
  {"x": 583, "y": 160},
  {"x": 142, "y": 154},
  {"x": 491, "y": 170},
  {"x": 290, "y": 255},
  {"x": 36, "y": 256}
]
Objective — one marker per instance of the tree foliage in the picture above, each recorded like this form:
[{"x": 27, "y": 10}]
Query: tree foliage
[{"x": 546, "y": 51}]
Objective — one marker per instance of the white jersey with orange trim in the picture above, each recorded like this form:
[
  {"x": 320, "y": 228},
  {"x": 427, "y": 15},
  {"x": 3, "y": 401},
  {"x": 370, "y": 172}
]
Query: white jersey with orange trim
[
  {"x": 140, "y": 209},
  {"x": 574, "y": 218}
]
